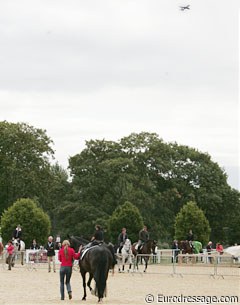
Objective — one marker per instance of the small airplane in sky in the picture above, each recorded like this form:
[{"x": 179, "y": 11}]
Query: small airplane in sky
[{"x": 183, "y": 8}]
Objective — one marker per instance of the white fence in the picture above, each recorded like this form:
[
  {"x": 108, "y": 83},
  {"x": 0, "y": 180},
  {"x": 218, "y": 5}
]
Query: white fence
[{"x": 164, "y": 262}]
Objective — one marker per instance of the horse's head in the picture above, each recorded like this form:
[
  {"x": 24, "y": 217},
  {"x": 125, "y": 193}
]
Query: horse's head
[
  {"x": 76, "y": 242},
  {"x": 185, "y": 247}
]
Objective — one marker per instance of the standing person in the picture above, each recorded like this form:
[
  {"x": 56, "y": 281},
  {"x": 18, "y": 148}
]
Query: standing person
[
  {"x": 10, "y": 250},
  {"x": 143, "y": 237},
  {"x": 209, "y": 250},
  {"x": 219, "y": 249},
  {"x": 122, "y": 238},
  {"x": 66, "y": 256},
  {"x": 51, "y": 254},
  {"x": 176, "y": 251}
]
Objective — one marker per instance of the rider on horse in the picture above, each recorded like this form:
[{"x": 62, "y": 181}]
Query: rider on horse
[
  {"x": 96, "y": 239},
  {"x": 190, "y": 238},
  {"x": 122, "y": 238},
  {"x": 143, "y": 237}
]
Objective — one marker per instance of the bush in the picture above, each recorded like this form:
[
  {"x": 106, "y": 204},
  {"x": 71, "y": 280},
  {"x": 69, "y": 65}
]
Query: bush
[{"x": 34, "y": 222}]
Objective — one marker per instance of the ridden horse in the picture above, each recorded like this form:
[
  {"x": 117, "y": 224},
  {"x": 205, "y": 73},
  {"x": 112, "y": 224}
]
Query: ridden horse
[
  {"x": 186, "y": 248},
  {"x": 97, "y": 261},
  {"x": 147, "y": 248},
  {"x": 19, "y": 246},
  {"x": 125, "y": 256}
]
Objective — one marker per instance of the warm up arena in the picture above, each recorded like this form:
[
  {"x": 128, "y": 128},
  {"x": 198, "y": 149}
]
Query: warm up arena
[{"x": 163, "y": 283}]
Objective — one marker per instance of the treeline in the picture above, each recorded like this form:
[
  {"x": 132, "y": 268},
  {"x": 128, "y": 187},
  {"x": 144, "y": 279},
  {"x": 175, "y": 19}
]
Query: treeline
[{"x": 157, "y": 178}]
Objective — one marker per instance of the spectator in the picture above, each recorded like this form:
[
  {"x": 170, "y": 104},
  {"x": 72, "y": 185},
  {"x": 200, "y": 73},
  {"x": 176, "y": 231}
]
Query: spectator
[
  {"x": 219, "y": 249},
  {"x": 66, "y": 256},
  {"x": 209, "y": 250},
  {"x": 176, "y": 251},
  {"x": 34, "y": 245},
  {"x": 51, "y": 253}
]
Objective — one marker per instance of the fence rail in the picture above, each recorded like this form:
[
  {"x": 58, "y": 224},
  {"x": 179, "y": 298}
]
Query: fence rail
[{"x": 165, "y": 261}]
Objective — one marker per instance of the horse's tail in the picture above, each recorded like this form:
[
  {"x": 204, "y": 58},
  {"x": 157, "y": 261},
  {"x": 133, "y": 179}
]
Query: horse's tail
[{"x": 100, "y": 275}]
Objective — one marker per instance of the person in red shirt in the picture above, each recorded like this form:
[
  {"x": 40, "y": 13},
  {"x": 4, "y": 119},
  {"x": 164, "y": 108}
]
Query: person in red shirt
[
  {"x": 66, "y": 256},
  {"x": 10, "y": 250}
]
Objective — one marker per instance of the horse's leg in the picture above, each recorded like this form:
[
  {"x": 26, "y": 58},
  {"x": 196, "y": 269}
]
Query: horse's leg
[
  {"x": 89, "y": 281},
  {"x": 118, "y": 262},
  {"x": 83, "y": 273},
  {"x": 22, "y": 256},
  {"x": 130, "y": 262},
  {"x": 146, "y": 263},
  {"x": 123, "y": 262}
]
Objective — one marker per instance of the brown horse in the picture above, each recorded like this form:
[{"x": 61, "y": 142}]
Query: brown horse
[
  {"x": 147, "y": 248},
  {"x": 185, "y": 248}
]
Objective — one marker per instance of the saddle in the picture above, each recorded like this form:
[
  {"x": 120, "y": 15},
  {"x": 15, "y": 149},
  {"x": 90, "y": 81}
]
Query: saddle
[{"x": 84, "y": 251}]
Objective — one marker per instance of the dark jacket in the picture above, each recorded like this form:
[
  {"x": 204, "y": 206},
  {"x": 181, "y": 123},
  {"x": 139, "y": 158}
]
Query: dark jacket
[
  {"x": 143, "y": 236},
  {"x": 17, "y": 233},
  {"x": 50, "y": 249},
  {"x": 98, "y": 235},
  {"x": 34, "y": 247},
  {"x": 121, "y": 239}
]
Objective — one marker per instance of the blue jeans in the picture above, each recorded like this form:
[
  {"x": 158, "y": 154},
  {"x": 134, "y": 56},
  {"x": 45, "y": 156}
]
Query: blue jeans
[{"x": 65, "y": 271}]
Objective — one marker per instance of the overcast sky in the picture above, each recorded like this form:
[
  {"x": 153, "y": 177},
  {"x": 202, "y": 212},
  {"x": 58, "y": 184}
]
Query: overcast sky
[{"x": 99, "y": 69}]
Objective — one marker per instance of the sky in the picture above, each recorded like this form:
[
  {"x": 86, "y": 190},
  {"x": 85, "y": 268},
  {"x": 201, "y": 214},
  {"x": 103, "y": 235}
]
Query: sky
[{"x": 94, "y": 69}]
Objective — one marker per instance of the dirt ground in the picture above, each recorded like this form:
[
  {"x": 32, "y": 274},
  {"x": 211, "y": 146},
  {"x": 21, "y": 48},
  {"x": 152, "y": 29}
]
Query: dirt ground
[{"x": 22, "y": 285}]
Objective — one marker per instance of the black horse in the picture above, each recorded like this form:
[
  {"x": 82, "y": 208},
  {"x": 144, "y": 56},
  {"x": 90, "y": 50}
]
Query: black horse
[
  {"x": 97, "y": 261},
  {"x": 148, "y": 248}
]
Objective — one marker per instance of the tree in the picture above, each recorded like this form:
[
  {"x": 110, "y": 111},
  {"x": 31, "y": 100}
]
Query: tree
[
  {"x": 24, "y": 163},
  {"x": 126, "y": 215},
  {"x": 34, "y": 222},
  {"x": 158, "y": 177},
  {"x": 192, "y": 217}
]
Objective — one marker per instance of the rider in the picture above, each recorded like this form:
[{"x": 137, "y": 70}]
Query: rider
[
  {"x": 17, "y": 234},
  {"x": 98, "y": 236},
  {"x": 190, "y": 237},
  {"x": 143, "y": 237},
  {"x": 122, "y": 238}
]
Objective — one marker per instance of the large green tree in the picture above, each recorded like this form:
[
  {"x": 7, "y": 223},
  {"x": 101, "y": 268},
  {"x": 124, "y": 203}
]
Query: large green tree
[
  {"x": 128, "y": 216},
  {"x": 34, "y": 222},
  {"x": 191, "y": 217},
  {"x": 158, "y": 177},
  {"x": 24, "y": 163}
]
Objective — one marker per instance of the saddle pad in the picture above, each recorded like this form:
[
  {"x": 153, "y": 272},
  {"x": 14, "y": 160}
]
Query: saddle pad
[{"x": 86, "y": 250}]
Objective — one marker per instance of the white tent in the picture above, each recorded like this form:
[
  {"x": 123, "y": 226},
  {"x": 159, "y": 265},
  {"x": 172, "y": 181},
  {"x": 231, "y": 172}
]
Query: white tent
[{"x": 234, "y": 251}]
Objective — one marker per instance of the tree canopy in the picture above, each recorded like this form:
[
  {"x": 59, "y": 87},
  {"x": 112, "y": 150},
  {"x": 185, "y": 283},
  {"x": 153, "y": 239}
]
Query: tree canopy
[
  {"x": 24, "y": 163},
  {"x": 191, "y": 217},
  {"x": 128, "y": 216},
  {"x": 34, "y": 222},
  {"x": 158, "y": 178}
]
